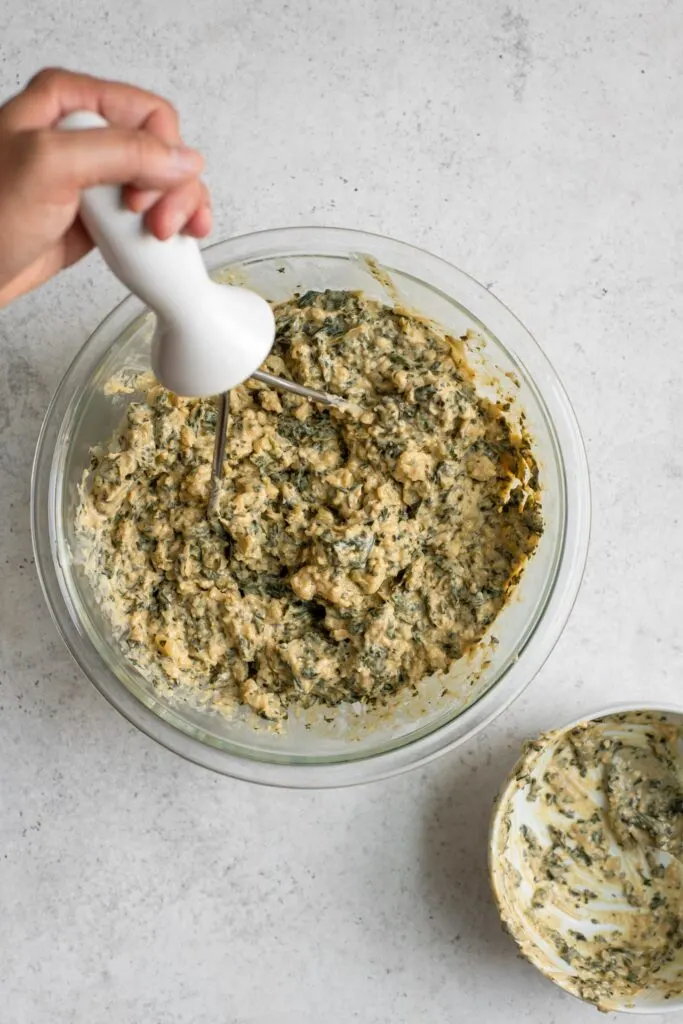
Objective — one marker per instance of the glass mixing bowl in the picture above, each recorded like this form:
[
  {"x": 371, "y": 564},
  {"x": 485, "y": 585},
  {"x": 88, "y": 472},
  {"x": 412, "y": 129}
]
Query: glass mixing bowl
[{"x": 357, "y": 745}]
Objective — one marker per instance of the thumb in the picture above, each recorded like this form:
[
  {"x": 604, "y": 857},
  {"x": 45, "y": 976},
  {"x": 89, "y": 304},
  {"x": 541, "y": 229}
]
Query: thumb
[{"x": 74, "y": 160}]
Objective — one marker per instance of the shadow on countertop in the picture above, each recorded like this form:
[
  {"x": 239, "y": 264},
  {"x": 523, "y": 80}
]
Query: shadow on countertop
[
  {"x": 454, "y": 854},
  {"x": 457, "y": 895}
]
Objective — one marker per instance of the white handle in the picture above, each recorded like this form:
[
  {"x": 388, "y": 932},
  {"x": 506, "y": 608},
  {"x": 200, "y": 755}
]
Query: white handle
[
  {"x": 161, "y": 273},
  {"x": 208, "y": 338}
]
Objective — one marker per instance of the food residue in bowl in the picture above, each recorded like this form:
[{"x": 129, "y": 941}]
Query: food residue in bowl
[
  {"x": 353, "y": 556},
  {"x": 587, "y": 862}
]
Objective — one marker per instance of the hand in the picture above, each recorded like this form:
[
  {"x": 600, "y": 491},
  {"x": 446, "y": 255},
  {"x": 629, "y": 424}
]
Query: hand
[{"x": 43, "y": 171}]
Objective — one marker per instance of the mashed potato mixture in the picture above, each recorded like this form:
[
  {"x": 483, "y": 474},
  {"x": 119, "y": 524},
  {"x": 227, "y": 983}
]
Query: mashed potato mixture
[{"x": 354, "y": 552}]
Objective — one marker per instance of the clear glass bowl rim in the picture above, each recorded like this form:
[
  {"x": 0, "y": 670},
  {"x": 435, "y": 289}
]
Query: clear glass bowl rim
[{"x": 324, "y": 241}]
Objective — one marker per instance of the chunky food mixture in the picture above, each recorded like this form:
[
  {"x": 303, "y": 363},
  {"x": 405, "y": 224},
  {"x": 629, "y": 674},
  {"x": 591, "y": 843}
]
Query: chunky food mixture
[
  {"x": 600, "y": 876},
  {"x": 355, "y": 551}
]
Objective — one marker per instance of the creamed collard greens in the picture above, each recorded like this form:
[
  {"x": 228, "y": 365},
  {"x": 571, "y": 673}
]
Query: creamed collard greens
[{"x": 356, "y": 552}]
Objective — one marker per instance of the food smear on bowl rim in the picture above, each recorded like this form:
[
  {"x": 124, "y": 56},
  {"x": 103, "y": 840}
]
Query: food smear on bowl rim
[
  {"x": 587, "y": 858},
  {"x": 353, "y": 555}
]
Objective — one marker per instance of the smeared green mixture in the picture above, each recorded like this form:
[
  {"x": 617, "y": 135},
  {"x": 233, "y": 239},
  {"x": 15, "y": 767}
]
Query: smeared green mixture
[
  {"x": 601, "y": 875},
  {"x": 354, "y": 554}
]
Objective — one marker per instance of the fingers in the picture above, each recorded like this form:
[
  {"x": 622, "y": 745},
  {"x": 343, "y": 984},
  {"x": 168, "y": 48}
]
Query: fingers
[
  {"x": 65, "y": 162},
  {"x": 188, "y": 206},
  {"x": 140, "y": 200},
  {"x": 53, "y": 93},
  {"x": 75, "y": 244},
  {"x": 142, "y": 151},
  {"x": 150, "y": 172},
  {"x": 185, "y": 208},
  {"x": 163, "y": 122},
  {"x": 200, "y": 224}
]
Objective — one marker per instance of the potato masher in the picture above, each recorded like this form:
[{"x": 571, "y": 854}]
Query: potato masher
[{"x": 208, "y": 338}]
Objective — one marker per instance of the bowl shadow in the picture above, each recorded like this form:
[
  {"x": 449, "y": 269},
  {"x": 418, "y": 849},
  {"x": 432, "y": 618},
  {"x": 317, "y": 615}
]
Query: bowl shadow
[{"x": 454, "y": 881}]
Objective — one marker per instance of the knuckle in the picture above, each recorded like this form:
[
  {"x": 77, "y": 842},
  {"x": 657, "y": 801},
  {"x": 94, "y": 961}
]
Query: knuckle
[
  {"x": 164, "y": 120},
  {"x": 189, "y": 197},
  {"x": 143, "y": 150},
  {"x": 33, "y": 158},
  {"x": 36, "y": 149},
  {"x": 170, "y": 110},
  {"x": 47, "y": 78}
]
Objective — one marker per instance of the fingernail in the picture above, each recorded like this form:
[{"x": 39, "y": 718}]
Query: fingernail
[{"x": 187, "y": 161}]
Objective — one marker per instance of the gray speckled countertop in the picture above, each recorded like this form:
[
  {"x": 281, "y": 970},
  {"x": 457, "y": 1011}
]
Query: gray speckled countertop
[{"x": 538, "y": 146}]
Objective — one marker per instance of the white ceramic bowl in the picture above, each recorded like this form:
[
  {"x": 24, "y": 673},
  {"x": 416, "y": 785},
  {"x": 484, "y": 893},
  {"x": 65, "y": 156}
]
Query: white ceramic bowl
[{"x": 512, "y": 811}]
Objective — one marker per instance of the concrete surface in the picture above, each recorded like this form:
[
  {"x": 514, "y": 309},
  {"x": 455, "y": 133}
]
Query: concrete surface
[{"x": 538, "y": 146}]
